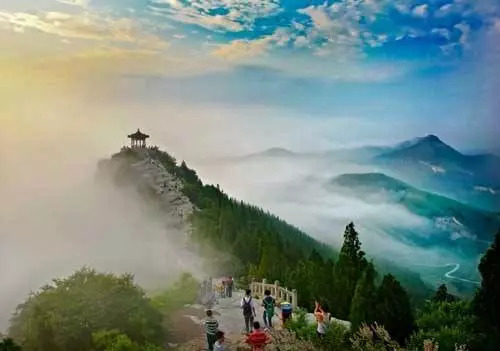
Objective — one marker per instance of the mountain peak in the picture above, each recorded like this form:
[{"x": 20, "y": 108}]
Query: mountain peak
[
  {"x": 431, "y": 138},
  {"x": 429, "y": 149}
]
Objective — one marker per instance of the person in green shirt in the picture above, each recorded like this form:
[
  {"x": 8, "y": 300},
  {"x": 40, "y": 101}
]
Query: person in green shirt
[{"x": 268, "y": 303}]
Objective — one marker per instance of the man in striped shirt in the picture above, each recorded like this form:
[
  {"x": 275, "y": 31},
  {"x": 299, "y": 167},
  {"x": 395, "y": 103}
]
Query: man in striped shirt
[{"x": 211, "y": 328}]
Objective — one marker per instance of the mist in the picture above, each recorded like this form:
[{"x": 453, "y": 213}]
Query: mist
[
  {"x": 297, "y": 190},
  {"x": 54, "y": 217}
]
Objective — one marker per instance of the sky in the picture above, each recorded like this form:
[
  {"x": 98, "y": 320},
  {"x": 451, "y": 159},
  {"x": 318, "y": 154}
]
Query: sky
[{"x": 330, "y": 73}]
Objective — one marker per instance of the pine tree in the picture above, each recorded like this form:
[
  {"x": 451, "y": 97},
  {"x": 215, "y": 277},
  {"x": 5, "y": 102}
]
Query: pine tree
[
  {"x": 349, "y": 269},
  {"x": 442, "y": 295},
  {"x": 393, "y": 309},
  {"x": 487, "y": 300},
  {"x": 9, "y": 345},
  {"x": 363, "y": 302}
]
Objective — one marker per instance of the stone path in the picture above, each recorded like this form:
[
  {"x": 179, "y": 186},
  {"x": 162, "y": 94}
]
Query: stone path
[{"x": 229, "y": 314}]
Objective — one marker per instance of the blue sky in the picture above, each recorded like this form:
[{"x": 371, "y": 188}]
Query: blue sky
[{"x": 433, "y": 63}]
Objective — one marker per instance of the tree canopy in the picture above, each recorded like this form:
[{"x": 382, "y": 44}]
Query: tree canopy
[
  {"x": 364, "y": 299},
  {"x": 65, "y": 314},
  {"x": 393, "y": 309},
  {"x": 486, "y": 303}
]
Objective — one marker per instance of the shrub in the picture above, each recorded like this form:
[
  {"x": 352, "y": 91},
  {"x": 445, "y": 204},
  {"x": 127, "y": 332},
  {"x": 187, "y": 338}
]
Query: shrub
[
  {"x": 184, "y": 291},
  {"x": 115, "y": 341},
  {"x": 336, "y": 337},
  {"x": 373, "y": 338},
  {"x": 65, "y": 314}
]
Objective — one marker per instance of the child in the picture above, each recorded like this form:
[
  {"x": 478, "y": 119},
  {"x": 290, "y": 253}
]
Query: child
[
  {"x": 286, "y": 312},
  {"x": 257, "y": 339},
  {"x": 219, "y": 344},
  {"x": 268, "y": 304},
  {"x": 220, "y": 289},
  {"x": 320, "y": 318},
  {"x": 211, "y": 328}
]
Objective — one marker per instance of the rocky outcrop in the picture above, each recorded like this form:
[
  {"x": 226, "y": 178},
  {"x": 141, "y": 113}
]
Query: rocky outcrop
[
  {"x": 165, "y": 185},
  {"x": 145, "y": 175}
]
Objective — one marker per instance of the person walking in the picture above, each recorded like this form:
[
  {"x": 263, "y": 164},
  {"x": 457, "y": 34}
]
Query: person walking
[
  {"x": 258, "y": 339},
  {"x": 224, "y": 287},
  {"x": 211, "y": 329},
  {"x": 248, "y": 308},
  {"x": 230, "y": 285},
  {"x": 268, "y": 303}
]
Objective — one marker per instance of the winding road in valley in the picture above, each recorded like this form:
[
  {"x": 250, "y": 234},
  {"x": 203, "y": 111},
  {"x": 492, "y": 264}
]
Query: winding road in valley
[
  {"x": 451, "y": 273},
  {"x": 456, "y": 267}
]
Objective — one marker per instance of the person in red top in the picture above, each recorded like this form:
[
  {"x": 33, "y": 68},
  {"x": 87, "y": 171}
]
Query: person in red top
[{"x": 258, "y": 339}]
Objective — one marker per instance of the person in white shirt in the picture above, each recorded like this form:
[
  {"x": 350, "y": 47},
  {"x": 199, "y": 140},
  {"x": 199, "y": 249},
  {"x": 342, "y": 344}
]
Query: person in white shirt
[
  {"x": 248, "y": 308},
  {"x": 321, "y": 319}
]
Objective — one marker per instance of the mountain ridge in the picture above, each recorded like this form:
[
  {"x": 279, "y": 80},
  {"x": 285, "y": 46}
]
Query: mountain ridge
[
  {"x": 421, "y": 202},
  {"x": 240, "y": 228},
  {"x": 377, "y": 150}
]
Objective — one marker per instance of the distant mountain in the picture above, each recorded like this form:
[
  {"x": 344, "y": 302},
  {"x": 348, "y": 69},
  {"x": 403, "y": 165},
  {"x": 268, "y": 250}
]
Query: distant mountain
[
  {"x": 425, "y": 162},
  {"x": 358, "y": 154},
  {"x": 428, "y": 149},
  {"x": 277, "y": 152},
  {"x": 430, "y": 163},
  {"x": 453, "y": 219}
]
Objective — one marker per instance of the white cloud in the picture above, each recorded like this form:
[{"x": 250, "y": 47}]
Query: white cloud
[
  {"x": 496, "y": 25},
  {"x": 465, "y": 29},
  {"x": 238, "y": 50},
  {"x": 301, "y": 41},
  {"x": 241, "y": 14},
  {"x": 443, "y": 32},
  {"x": 338, "y": 30},
  {"x": 242, "y": 49},
  {"x": 319, "y": 16},
  {"x": 444, "y": 10},
  {"x": 402, "y": 8},
  {"x": 81, "y": 3},
  {"x": 85, "y": 25},
  {"x": 421, "y": 11}
]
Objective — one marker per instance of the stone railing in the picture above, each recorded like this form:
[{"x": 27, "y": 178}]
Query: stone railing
[{"x": 279, "y": 293}]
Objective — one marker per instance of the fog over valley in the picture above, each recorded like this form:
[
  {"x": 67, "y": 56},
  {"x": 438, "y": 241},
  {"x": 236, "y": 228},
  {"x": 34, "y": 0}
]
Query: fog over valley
[{"x": 55, "y": 218}]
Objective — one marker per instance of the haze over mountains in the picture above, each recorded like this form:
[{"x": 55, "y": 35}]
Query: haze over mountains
[
  {"x": 422, "y": 203},
  {"x": 426, "y": 162}
]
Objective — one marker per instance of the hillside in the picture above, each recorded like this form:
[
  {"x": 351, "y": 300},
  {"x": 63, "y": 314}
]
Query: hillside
[
  {"x": 461, "y": 219},
  {"x": 215, "y": 218},
  {"x": 426, "y": 162},
  {"x": 239, "y": 239},
  {"x": 430, "y": 163}
]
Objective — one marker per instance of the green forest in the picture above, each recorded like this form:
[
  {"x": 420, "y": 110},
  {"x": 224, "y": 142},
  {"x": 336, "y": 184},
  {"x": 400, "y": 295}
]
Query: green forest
[{"x": 104, "y": 312}]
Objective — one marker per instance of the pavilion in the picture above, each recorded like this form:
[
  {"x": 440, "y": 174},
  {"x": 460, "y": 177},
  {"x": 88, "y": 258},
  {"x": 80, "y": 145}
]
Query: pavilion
[{"x": 138, "y": 139}]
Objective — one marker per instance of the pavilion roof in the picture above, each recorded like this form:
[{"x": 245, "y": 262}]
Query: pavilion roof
[{"x": 138, "y": 135}]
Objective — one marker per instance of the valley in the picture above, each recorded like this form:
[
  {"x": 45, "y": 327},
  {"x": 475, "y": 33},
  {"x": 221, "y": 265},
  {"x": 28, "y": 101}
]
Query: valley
[{"x": 320, "y": 191}]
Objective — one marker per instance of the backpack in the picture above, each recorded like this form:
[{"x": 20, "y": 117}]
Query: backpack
[
  {"x": 247, "y": 307},
  {"x": 269, "y": 305}
]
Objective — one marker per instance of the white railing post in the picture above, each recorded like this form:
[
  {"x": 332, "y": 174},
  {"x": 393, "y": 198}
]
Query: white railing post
[{"x": 280, "y": 293}]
